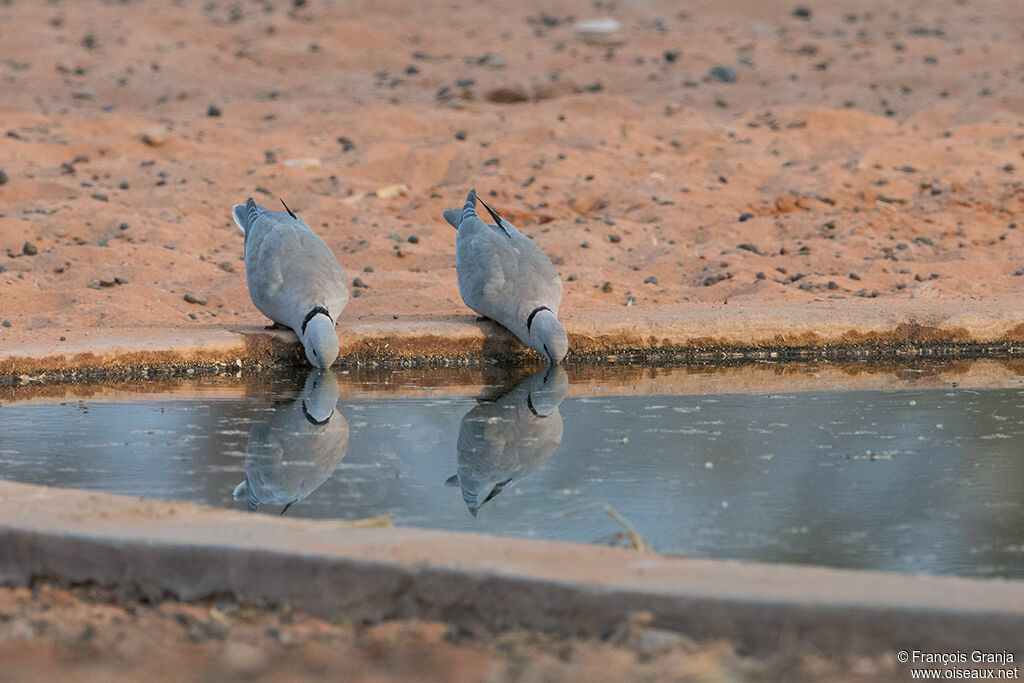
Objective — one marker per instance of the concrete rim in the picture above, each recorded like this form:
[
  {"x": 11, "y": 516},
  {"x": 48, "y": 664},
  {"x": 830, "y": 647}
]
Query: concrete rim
[{"x": 155, "y": 549}]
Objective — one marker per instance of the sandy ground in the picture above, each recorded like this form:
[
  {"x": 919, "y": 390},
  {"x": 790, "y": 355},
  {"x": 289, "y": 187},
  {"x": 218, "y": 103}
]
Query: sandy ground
[
  {"x": 845, "y": 150},
  {"x": 88, "y": 634}
]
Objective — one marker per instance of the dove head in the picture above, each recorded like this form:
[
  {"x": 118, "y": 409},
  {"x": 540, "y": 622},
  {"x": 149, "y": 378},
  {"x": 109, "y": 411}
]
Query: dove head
[
  {"x": 547, "y": 336},
  {"x": 320, "y": 340}
]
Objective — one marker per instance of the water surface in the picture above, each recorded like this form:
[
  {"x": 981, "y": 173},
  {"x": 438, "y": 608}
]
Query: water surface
[{"x": 910, "y": 480}]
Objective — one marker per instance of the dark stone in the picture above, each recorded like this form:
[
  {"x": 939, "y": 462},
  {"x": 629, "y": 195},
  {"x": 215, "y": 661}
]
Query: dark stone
[
  {"x": 213, "y": 111},
  {"x": 651, "y": 280},
  {"x": 29, "y": 249},
  {"x": 414, "y": 239},
  {"x": 745, "y": 217},
  {"x": 192, "y": 299},
  {"x": 346, "y": 144},
  {"x": 460, "y": 135},
  {"x": 725, "y": 74},
  {"x": 614, "y": 239},
  {"x": 802, "y": 12}
]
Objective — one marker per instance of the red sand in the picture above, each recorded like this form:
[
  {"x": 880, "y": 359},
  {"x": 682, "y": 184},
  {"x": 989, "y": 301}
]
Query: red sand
[{"x": 870, "y": 148}]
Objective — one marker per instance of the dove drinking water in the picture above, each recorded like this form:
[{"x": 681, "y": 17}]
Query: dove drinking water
[
  {"x": 294, "y": 277},
  {"x": 503, "y": 275}
]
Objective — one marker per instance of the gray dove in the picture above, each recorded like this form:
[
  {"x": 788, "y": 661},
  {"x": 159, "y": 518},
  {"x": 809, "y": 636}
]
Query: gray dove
[
  {"x": 294, "y": 277},
  {"x": 503, "y": 275},
  {"x": 296, "y": 447},
  {"x": 505, "y": 440}
]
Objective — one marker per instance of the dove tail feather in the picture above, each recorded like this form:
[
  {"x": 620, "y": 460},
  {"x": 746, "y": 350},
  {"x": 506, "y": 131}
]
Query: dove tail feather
[
  {"x": 246, "y": 215},
  {"x": 454, "y": 217},
  {"x": 469, "y": 208},
  {"x": 238, "y": 213}
]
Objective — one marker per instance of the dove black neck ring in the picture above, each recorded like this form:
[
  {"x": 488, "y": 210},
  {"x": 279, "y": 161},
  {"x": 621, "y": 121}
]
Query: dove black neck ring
[
  {"x": 529, "y": 320},
  {"x": 313, "y": 312}
]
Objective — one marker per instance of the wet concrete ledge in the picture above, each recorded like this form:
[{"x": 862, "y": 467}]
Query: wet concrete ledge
[
  {"x": 717, "y": 334},
  {"x": 155, "y": 550}
]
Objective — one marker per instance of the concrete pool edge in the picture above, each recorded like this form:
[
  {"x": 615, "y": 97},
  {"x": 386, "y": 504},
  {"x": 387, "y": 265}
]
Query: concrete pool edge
[
  {"x": 158, "y": 549},
  {"x": 853, "y": 330}
]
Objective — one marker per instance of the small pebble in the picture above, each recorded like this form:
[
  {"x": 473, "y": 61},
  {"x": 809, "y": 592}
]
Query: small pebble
[
  {"x": 100, "y": 197},
  {"x": 357, "y": 293},
  {"x": 193, "y": 316},
  {"x": 358, "y": 282},
  {"x": 6, "y": 323},
  {"x": 213, "y": 111},
  {"x": 745, "y": 217},
  {"x": 606, "y": 287},
  {"x": 3, "y": 177},
  {"x": 723, "y": 74},
  {"x": 368, "y": 269},
  {"x": 802, "y": 12},
  {"x": 29, "y": 249},
  {"x": 651, "y": 280},
  {"x": 120, "y": 281},
  {"x": 226, "y": 266},
  {"x": 614, "y": 239},
  {"x": 346, "y": 144},
  {"x": 192, "y": 299},
  {"x": 460, "y": 135},
  {"x": 414, "y": 239}
]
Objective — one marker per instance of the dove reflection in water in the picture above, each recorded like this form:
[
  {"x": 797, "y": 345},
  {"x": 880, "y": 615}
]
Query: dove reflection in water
[
  {"x": 507, "y": 439},
  {"x": 296, "y": 447}
]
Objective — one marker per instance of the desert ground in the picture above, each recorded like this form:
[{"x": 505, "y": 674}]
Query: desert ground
[
  {"x": 844, "y": 156},
  {"x": 89, "y": 634}
]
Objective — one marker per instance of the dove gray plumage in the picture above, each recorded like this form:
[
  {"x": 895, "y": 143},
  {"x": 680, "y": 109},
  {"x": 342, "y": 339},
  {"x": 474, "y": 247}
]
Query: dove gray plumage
[
  {"x": 504, "y": 440},
  {"x": 291, "y": 273},
  {"x": 503, "y": 275},
  {"x": 296, "y": 447}
]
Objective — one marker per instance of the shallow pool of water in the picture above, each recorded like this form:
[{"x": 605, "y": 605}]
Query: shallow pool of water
[{"x": 917, "y": 480}]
